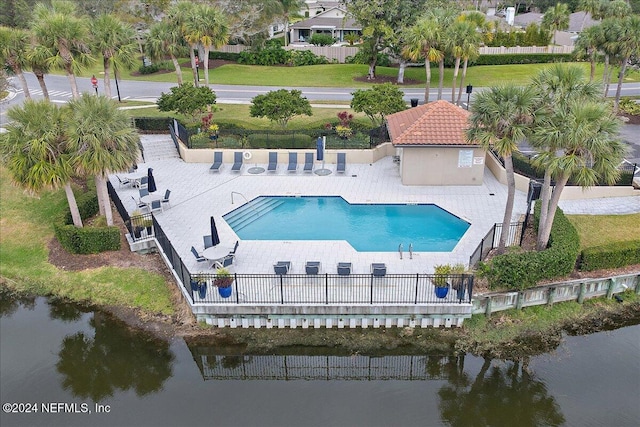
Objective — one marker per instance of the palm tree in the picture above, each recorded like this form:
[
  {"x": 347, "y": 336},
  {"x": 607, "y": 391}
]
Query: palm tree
[
  {"x": 66, "y": 35},
  {"x": 616, "y": 9},
  {"x": 586, "y": 135},
  {"x": 588, "y": 43},
  {"x": 556, "y": 18},
  {"x": 165, "y": 38},
  {"x": 38, "y": 60},
  {"x": 13, "y": 47},
  {"x": 557, "y": 86},
  {"x": 591, "y": 7},
  {"x": 206, "y": 27},
  {"x": 421, "y": 42},
  {"x": 116, "y": 44},
  {"x": 445, "y": 17},
  {"x": 179, "y": 14},
  {"x": 103, "y": 141},
  {"x": 462, "y": 35},
  {"x": 500, "y": 118},
  {"x": 35, "y": 152},
  {"x": 627, "y": 42},
  {"x": 287, "y": 8}
]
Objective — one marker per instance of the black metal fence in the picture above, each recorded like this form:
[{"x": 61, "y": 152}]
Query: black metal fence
[
  {"x": 333, "y": 289},
  {"x": 174, "y": 259},
  {"x": 491, "y": 239}
]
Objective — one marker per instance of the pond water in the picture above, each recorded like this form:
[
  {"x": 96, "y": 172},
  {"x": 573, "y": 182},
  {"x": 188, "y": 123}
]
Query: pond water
[{"x": 65, "y": 361}]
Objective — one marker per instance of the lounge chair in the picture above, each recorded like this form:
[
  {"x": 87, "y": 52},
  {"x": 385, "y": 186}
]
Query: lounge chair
[
  {"x": 282, "y": 267},
  {"x": 224, "y": 262},
  {"x": 217, "y": 161},
  {"x": 273, "y": 161},
  {"x": 208, "y": 241},
  {"x": 344, "y": 268},
  {"x": 312, "y": 267},
  {"x": 165, "y": 200},
  {"x": 342, "y": 162},
  {"x": 378, "y": 269},
  {"x": 293, "y": 162},
  {"x": 123, "y": 181},
  {"x": 308, "y": 162},
  {"x": 199, "y": 257},
  {"x": 237, "y": 161}
]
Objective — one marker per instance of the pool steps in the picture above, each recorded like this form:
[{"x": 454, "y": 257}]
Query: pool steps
[{"x": 250, "y": 212}]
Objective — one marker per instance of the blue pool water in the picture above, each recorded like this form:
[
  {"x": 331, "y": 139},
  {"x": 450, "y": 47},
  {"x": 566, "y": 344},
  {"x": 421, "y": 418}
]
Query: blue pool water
[{"x": 368, "y": 228}]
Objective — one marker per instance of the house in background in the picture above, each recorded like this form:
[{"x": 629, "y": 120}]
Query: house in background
[
  {"x": 432, "y": 146},
  {"x": 332, "y": 21}
]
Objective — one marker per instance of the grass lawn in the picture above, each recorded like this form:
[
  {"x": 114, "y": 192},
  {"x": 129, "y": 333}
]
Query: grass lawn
[
  {"x": 26, "y": 230},
  {"x": 343, "y": 75},
  {"x": 596, "y": 230},
  {"x": 239, "y": 114}
]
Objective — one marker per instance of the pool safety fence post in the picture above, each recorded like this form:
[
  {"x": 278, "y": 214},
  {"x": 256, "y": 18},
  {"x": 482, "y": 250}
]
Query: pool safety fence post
[
  {"x": 326, "y": 288},
  {"x": 415, "y": 300},
  {"x": 371, "y": 296},
  {"x": 281, "y": 290}
]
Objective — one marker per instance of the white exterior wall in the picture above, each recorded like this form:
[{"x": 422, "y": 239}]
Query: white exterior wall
[{"x": 440, "y": 166}]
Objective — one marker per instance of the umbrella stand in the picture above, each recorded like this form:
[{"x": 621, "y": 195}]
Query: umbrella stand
[{"x": 320, "y": 146}]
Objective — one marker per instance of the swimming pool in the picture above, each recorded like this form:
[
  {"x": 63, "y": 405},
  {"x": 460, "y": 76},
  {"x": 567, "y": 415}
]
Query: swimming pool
[{"x": 367, "y": 227}]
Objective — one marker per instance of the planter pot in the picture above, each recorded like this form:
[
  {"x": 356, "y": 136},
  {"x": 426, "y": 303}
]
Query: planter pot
[
  {"x": 225, "y": 292},
  {"x": 194, "y": 286},
  {"x": 442, "y": 291},
  {"x": 137, "y": 232},
  {"x": 149, "y": 230},
  {"x": 202, "y": 290}
]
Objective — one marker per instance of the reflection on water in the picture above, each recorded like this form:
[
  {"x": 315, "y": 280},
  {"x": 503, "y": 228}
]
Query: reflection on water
[
  {"x": 114, "y": 358},
  {"x": 51, "y": 351}
]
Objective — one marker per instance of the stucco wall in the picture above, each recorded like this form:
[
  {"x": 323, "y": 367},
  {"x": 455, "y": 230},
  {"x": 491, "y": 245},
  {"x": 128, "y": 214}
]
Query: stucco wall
[
  {"x": 262, "y": 156},
  {"x": 439, "y": 166}
]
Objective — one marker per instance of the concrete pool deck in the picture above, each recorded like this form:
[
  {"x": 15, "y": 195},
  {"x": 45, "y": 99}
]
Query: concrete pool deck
[{"x": 197, "y": 194}]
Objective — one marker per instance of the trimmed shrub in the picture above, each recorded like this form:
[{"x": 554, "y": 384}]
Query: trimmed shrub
[
  {"x": 86, "y": 240},
  {"x": 613, "y": 255},
  {"x": 152, "y": 124},
  {"x": 321, "y": 40},
  {"x": 300, "y": 58},
  {"x": 149, "y": 69},
  {"x": 270, "y": 55},
  {"x": 522, "y": 270},
  {"x": 227, "y": 56},
  {"x": 522, "y": 58}
]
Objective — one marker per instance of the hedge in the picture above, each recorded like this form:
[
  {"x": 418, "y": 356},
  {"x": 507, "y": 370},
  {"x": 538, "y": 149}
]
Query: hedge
[
  {"x": 227, "y": 56},
  {"x": 86, "y": 240},
  {"x": 523, "y": 270},
  {"x": 613, "y": 255},
  {"x": 523, "y": 58},
  {"x": 152, "y": 124}
]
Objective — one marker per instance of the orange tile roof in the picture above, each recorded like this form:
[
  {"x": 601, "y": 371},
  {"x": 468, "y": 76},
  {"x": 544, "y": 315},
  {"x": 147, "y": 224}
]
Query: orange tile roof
[{"x": 435, "y": 123}]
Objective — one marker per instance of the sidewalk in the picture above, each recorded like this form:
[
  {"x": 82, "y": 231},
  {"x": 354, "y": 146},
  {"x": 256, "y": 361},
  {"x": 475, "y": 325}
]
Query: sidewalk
[{"x": 602, "y": 206}]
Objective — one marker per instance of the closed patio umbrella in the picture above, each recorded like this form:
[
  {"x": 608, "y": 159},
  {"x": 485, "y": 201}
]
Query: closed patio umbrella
[
  {"x": 151, "y": 182},
  {"x": 214, "y": 233}
]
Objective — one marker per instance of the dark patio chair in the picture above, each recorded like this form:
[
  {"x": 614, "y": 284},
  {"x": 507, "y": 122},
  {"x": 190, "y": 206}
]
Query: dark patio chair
[
  {"x": 342, "y": 163},
  {"x": 237, "y": 161},
  {"x": 308, "y": 162},
  {"x": 293, "y": 162},
  {"x": 344, "y": 268},
  {"x": 224, "y": 262},
  {"x": 165, "y": 200},
  {"x": 217, "y": 161},
  {"x": 378, "y": 269},
  {"x": 282, "y": 267},
  {"x": 312, "y": 267},
  {"x": 208, "y": 241},
  {"x": 198, "y": 257},
  {"x": 273, "y": 161}
]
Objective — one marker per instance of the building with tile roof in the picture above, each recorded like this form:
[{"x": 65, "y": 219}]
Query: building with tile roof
[{"x": 432, "y": 147}]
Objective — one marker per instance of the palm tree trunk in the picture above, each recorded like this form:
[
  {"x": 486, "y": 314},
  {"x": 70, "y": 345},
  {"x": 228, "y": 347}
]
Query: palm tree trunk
[
  {"x": 508, "y": 210},
  {"x": 441, "y": 78},
  {"x": 456, "y": 68},
  {"x": 592, "y": 62},
  {"x": 401, "y": 68},
  {"x": 73, "y": 206},
  {"x": 176, "y": 64},
  {"x": 605, "y": 75},
  {"x": 206, "y": 65},
  {"x": 544, "y": 234},
  {"x": 286, "y": 31},
  {"x": 96, "y": 179},
  {"x": 427, "y": 87},
  {"x": 103, "y": 198},
  {"x": 545, "y": 195},
  {"x": 23, "y": 82},
  {"x": 192, "y": 55},
  {"x": 43, "y": 86},
  {"x": 72, "y": 82},
  {"x": 623, "y": 68},
  {"x": 107, "y": 80},
  {"x": 464, "y": 75}
]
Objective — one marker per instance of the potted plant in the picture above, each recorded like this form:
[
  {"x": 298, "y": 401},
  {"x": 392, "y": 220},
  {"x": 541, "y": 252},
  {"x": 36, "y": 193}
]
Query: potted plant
[
  {"x": 199, "y": 284},
  {"x": 223, "y": 281},
  {"x": 442, "y": 273},
  {"x": 148, "y": 224},
  {"x": 137, "y": 223},
  {"x": 457, "y": 279}
]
